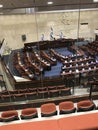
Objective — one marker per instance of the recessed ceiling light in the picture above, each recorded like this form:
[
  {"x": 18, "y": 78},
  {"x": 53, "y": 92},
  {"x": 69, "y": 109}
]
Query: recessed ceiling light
[
  {"x": 95, "y": 0},
  {"x": 50, "y": 3},
  {"x": 1, "y": 6}
]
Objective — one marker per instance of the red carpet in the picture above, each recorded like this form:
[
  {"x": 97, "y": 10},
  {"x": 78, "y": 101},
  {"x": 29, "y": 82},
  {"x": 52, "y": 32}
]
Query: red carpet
[
  {"x": 39, "y": 125},
  {"x": 81, "y": 122}
]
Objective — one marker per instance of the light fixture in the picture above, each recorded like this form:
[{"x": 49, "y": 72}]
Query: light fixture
[
  {"x": 49, "y": 2},
  {"x": 95, "y": 0},
  {"x": 1, "y": 6}
]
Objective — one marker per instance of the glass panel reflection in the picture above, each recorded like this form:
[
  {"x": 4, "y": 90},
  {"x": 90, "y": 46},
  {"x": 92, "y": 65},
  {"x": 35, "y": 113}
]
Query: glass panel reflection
[{"x": 56, "y": 55}]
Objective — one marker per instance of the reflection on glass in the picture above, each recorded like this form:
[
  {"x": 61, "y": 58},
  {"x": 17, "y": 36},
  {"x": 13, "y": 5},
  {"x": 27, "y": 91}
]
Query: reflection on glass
[{"x": 54, "y": 49}]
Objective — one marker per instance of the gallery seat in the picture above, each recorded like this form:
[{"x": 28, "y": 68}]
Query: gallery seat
[
  {"x": 31, "y": 96},
  {"x": 14, "y": 92},
  {"x": 85, "y": 105},
  {"x": 42, "y": 89},
  {"x": 53, "y": 93},
  {"x": 32, "y": 90},
  {"x": 65, "y": 92},
  {"x": 66, "y": 107},
  {"x": 48, "y": 109},
  {"x": 7, "y": 98},
  {"x": 8, "y": 116},
  {"x": 60, "y": 87},
  {"x": 29, "y": 113},
  {"x": 19, "y": 97},
  {"x": 52, "y": 87},
  {"x": 43, "y": 94},
  {"x": 23, "y": 90},
  {"x": 5, "y": 92}
]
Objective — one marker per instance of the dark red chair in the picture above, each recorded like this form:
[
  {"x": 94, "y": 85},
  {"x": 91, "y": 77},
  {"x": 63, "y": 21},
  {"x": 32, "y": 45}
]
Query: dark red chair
[
  {"x": 60, "y": 87},
  {"x": 52, "y": 87},
  {"x": 66, "y": 107},
  {"x": 43, "y": 94},
  {"x": 65, "y": 92},
  {"x": 31, "y": 96},
  {"x": 14, "y": 92},
  {"x": 8, "y": 116},
  {"x": 85, "y": 105},
  {"x": 53, "y": 93},
  {"x": 20, "y": 97},
  {"x": 29, "y": 113},
  {"x": 23, "y": 90},
  {"x": 5, "y": 92},
  {"x": 32, "y": 90},
  {"x": 7, "y": 98},
  {"x": 48, "y": 109},
  {"x": 42, "y": 89}
]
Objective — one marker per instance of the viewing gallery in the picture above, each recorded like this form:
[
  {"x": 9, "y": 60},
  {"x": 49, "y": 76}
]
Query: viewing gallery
[{"x": 49, "y": 64}]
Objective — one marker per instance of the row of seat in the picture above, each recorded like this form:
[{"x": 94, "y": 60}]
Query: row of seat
[
  {"x": 47, "y": 57},
  {"x": 79, "y": 61},
  {"x": 79, "y": 65},
  {"x": 30, "y": 90},
  {"x": 58, "y": 56},
  {"x": 23, "y": 69},
  {"x": 45, "y": 45},
  {"x": 75, "y": 49},
  {"x": 86, "y": 71},
  {"x": 47, "y": 110},
  {"x": 73, "y": 59},
  {"x": 46, "y": 65},
  {"x": 91, "y": 48},
  {"x": 94, "y": 44},
  {"x": 34, "y": 95},
  {"x": 31, "y": 63}
]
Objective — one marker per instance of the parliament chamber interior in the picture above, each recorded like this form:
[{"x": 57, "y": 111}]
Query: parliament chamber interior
[{"x": 49, "y": 64}]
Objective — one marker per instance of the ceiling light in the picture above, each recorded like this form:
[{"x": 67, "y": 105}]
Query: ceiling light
[
  {"x": 50, "y": 3},
  {"x": 95, "y": 0},
  {"x": 1, "y": 6}
]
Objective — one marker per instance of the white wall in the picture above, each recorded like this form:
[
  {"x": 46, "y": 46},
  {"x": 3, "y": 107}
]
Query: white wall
[{"x": 13, "y": 26}]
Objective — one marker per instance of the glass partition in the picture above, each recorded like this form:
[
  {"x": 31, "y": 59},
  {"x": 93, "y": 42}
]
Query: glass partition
[
  {"x": 61, "y": 29},
  {"x": 53, "y": 50}
]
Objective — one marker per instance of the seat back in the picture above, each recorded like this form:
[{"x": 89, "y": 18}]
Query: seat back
[
  {"x": 48, "y": 108},
  {"x": 10, "y": 113},
  {"x": 29, "y": 111},
  {"x": 66, "y": 105}
]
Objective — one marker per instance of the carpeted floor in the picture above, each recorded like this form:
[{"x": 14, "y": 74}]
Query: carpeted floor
[{"x": 55, "y": 70}]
